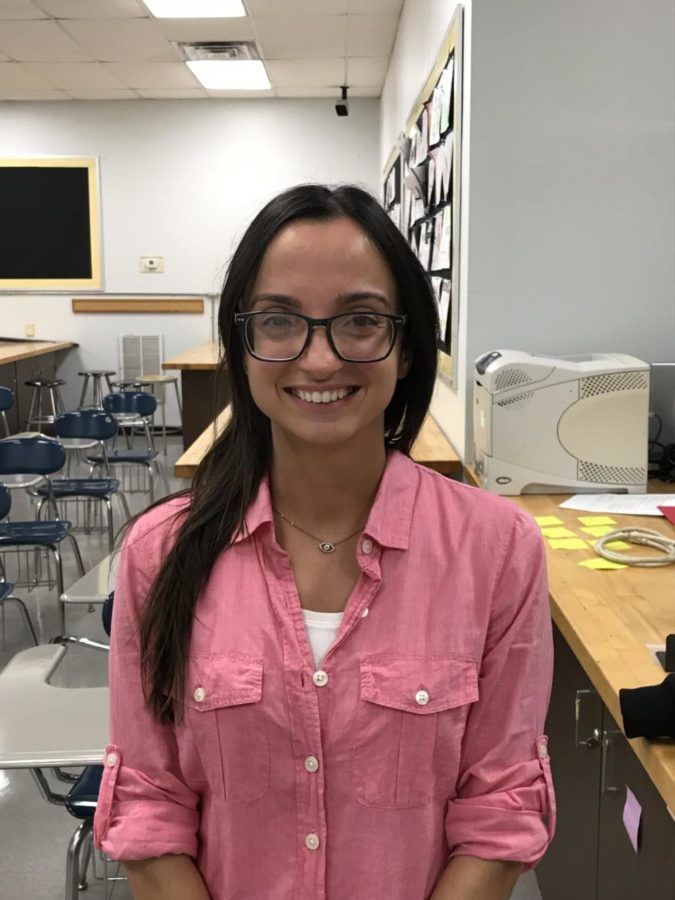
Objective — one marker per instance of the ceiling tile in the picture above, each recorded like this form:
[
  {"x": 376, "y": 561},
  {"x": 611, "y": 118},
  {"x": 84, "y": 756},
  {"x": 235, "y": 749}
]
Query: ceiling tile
[
  {"x": 375, "y": 7},
  {"x": 305, "y": 72},
  {"x": 175, "y": 94},
  {"x": 242, "y": 95},
  {"x": 20, "y": 9},
  {"x": 94, "y": 9},
  {"x": 240, "y": 29},
  {"x": 153, "y": 76},
  {"x": 33, "y": 95},
  {"x": 39, "y": 42},
  {"x": 372, "y": 91},
  {"x": 302, "y": 37},
  {"x": 308, "y": 92},
  {"x": 14, "y": 76},
  {"x": 296, "y": 7},
  {"x": 76, "y": 76},
  {"x": 120, "y": 94},
  {"x": 121, "y": 40},
  {"x": 371, "y": 35},
  {"x": 366, "y": 71}
]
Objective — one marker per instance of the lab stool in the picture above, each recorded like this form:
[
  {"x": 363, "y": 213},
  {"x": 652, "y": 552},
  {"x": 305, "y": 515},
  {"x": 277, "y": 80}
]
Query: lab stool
[
  {"x": 97, "y": 376},
  {"x": 158, "y": 385},
  {"x": 37, "y": 415}
]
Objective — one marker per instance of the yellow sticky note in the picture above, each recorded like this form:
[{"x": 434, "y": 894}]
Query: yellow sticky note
[
  {"x": 568, "y": 544},
  {"x": 598, "y": 530},
  {"x": 599, "y": 563},
  {"x": 597, "y": 520},
  {"x": 543, "y": 521},
  {"x": 557, "y": 532},
  {"x": 618, "y": 545}
]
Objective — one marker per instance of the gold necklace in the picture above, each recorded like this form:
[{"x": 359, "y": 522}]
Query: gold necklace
[{"x": 324, "y": 546}]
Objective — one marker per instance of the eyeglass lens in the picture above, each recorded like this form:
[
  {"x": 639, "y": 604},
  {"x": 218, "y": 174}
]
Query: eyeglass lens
[{"x": 357, "y": 336}]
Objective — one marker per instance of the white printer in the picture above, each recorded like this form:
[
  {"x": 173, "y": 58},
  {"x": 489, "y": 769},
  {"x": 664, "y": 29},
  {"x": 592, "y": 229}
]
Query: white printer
[{"x": 567, "y": 424}]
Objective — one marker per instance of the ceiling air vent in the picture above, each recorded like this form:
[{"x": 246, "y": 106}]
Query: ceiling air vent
[{"x": 218, "y": 50}]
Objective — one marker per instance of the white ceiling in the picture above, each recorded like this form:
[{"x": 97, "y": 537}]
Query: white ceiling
[{"x": 114, "y": 49}]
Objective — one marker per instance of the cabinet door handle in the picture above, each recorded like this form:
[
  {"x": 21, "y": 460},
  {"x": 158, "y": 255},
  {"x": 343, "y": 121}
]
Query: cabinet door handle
[
  {"x": 593, "y": 740},
  {"x": 608, "y": 738}
]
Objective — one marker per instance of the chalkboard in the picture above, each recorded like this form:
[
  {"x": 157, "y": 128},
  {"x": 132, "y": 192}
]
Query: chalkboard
[{"x": 49, "y": 227}]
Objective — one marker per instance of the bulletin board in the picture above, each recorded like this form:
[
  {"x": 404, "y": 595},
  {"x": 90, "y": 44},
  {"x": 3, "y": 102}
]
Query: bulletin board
[
  {"x": 421, "y": 185},
  {"x": 50, "y": 224}
]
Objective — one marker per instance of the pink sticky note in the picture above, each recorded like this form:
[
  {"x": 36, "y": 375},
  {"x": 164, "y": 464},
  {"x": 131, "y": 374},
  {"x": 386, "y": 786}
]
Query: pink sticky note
[
  {"x": 668, "y": 512},
  {"x": 632, "y": 812}
]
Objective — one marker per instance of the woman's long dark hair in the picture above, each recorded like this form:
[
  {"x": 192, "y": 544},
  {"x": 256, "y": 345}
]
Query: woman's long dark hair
[{"x": 229, "y": 476}]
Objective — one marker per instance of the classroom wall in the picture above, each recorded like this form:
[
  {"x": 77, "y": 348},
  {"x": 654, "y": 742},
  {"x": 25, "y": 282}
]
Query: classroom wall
[
  {"x": 180, "y": 179},
  {"x": 569, "y": 140},
  {"x": 422, "y": 29}
]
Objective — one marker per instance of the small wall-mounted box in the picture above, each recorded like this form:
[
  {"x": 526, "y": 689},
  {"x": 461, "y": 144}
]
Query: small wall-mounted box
[{"x": 151, "y": 264}]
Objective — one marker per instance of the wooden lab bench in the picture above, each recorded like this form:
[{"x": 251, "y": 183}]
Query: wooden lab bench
[
  {"x": 204, "y": 390},
  {"x": 20, "y": 361},
  {"x": 431, "y": 449},
  {"x": 603, "y": 621}
]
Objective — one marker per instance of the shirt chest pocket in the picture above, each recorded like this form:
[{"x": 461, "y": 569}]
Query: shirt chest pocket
[
  {"x": 224, "y": 696},
  {"x": 409, "y": 726}
]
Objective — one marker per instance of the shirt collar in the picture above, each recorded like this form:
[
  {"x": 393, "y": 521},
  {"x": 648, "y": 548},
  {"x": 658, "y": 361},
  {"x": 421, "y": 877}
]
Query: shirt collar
[{"x": 390, "y": 518}]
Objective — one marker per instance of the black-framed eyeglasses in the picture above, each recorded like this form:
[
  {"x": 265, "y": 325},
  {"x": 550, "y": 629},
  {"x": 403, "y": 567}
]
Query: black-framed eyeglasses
[{"x": 278, "y": 336}]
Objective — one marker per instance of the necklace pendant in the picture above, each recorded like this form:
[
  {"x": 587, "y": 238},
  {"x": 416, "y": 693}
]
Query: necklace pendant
[{"x": 327, "y": 547}]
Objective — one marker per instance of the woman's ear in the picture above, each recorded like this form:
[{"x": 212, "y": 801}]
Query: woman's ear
[{"x": 404, "y": 364}]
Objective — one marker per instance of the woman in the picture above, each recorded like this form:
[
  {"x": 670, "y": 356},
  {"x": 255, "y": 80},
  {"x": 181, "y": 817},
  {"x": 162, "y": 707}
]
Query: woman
[{"x": 346, "y": 657}]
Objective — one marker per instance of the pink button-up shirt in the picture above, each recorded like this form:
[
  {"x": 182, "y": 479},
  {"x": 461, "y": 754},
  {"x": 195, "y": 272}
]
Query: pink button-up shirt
[{"x": 420, "y": 738}]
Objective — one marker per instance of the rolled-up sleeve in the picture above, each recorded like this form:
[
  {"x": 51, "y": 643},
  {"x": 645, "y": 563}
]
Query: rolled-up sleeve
[
  {"x": 145, "y": 808},
  {"x": 505, "y": 805}
]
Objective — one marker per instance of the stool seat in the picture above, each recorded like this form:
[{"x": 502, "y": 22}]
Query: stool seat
[
  {"x": 44, "y": 382},
  {"x": 100, "y": 372}
]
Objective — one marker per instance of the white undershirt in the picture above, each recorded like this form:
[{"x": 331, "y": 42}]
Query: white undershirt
[{"x": 321, "y": 627}]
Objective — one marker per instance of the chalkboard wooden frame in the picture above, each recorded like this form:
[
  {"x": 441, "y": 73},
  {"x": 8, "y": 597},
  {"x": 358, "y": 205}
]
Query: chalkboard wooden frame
[{"x": 91, "y": 244}]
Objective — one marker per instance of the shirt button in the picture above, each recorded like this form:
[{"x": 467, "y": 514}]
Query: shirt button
[
  {"x": 111, "y": 759},
  {"x": 312, "y": 764},
  {"x": 320, "y": 678},
  {"x": 543, "y": 752},
  {"x": 365, "y": 612},
  {"x": 367, "y": 546},
  {"x": 312, "y": 841},
  {"x": 199, "y": 694},
  {"x": 422, "y": 698}
]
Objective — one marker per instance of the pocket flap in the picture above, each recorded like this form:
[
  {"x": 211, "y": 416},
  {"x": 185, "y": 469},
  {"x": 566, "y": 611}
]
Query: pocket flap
[
  {"x": 421, "y": 685},
  {"x": 217, "y": 680}
]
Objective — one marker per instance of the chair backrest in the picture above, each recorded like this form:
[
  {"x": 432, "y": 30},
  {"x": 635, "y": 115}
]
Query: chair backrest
[
  {"x": 5, "y": 501},
  {"x": 106, "y": 612},
  {"x": 31, "y": 456},
  {"x": 6, "y": 398},
  {"x": 137, "y": 402},
  {"x": 94, "y": 424},
  {"x": 140, "y": 354}
]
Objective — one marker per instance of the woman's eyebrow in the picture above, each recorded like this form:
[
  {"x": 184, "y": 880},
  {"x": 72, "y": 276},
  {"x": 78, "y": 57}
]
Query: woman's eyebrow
[
  {"x": 359, "y": 296},
  {"x": 274, "y": 298}
]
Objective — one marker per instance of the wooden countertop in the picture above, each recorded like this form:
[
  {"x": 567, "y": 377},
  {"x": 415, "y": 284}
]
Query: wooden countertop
[
  {"x": 13, "y": 351},
  {"x": 203, "y": 357},
  {"x": 431, "y": 448},
  {"x": 607, "y": 618}
]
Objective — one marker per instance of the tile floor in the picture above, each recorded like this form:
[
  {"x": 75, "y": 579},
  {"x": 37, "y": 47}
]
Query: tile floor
[{"x": 34, "y": 835}]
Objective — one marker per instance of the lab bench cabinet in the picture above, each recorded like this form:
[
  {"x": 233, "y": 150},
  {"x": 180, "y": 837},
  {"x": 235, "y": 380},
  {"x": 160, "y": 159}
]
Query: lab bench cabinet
[{"x": 591, "y": 856}]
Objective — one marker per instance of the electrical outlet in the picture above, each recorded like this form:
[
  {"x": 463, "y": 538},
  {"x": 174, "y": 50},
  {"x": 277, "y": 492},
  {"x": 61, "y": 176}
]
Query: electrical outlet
[
  {"x": 30, "y": 329},
  {"x": 151, "y": 264}
]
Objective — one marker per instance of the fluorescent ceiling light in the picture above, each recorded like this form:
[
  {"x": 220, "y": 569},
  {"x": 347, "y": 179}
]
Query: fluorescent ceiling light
[
  {"x": 231, "y": 74},
  {"x": 196, "y": 9}
]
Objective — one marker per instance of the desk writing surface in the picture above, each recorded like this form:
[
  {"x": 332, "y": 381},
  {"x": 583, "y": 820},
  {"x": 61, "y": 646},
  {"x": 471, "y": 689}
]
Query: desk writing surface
[
  {"x": 204, "y": 357},
  {"x": 607, "y": 618},
  {"x": 14, "y": 351},
  {"x": 45, "y": 725},
  {"x": 431, "y": 448}
]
